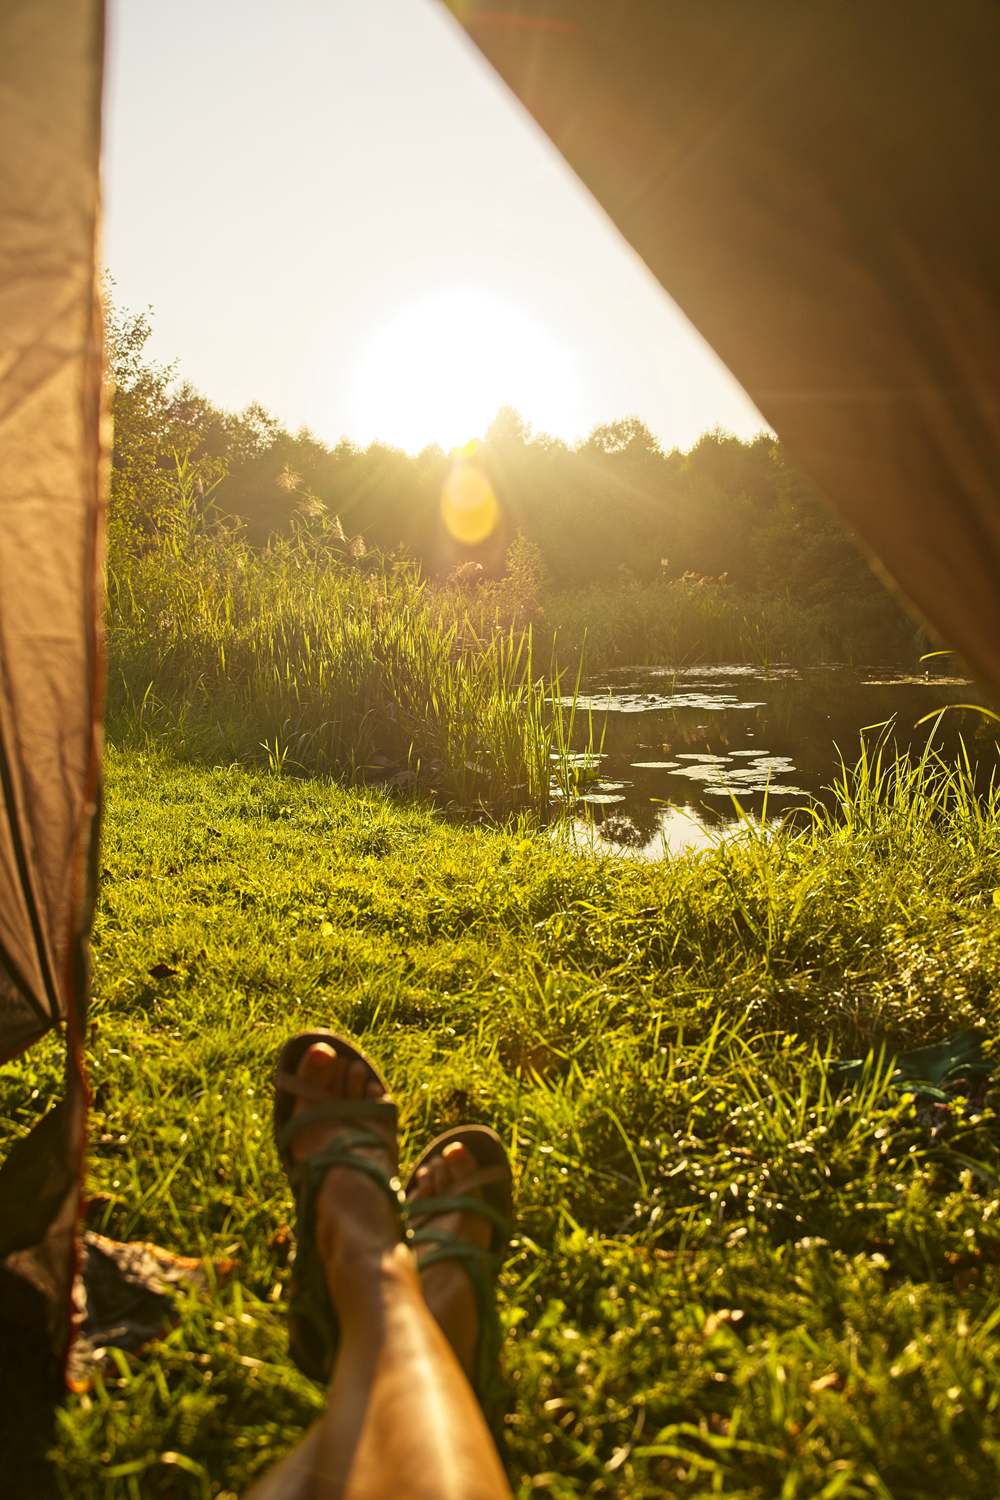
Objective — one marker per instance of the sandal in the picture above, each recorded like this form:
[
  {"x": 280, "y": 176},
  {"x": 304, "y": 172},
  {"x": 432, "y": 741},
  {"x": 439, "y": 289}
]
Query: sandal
[
  {"x": 313, "y": 1326},
  {"x": 481, "y": 1265}
]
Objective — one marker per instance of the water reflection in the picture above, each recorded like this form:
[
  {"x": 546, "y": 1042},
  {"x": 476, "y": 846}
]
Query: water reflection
[
  {"x": 678, "y": 830},
  {"x": 686, "y": 760}
]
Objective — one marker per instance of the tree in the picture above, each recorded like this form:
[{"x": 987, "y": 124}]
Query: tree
[
  {"x": 140, "y": 405},
  {"x": 155, "y": 429}
]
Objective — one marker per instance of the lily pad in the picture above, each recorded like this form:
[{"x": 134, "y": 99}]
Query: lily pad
[{"x": 644, "y": 703}]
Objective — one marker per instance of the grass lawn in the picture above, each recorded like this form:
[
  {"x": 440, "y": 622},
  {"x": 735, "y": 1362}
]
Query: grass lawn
[{"x": 727, "y": 1280}]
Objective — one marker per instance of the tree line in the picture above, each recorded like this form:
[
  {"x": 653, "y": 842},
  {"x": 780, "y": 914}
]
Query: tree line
[{"x": 609, "y": 510}]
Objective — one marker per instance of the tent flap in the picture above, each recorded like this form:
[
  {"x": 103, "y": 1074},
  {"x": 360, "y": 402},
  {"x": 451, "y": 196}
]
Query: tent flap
[
  {"x": 51, "y": 59},
  {"x": 816, "y": 187}
]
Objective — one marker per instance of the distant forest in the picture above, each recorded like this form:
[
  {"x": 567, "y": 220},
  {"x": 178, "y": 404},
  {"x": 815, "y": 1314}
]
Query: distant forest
[{"x": 613, "y": 509}]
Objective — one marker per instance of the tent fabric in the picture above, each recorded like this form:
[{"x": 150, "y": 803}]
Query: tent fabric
[
  {"x": 50, "y": 385},
  {"x": 816, "y": 186},
  {"x": 51, "y": 512}
]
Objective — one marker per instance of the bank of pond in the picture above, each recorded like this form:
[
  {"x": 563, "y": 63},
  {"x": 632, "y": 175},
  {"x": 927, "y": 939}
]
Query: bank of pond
[{"x": 674, "y": 759}]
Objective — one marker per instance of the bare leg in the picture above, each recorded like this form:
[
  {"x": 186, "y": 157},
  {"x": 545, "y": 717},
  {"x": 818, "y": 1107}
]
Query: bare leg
[{"x": 401, "y": 1419}]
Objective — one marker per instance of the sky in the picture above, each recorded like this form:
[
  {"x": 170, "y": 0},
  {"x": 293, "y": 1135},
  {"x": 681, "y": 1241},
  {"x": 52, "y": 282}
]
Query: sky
[{"x": 334, "y": 207}]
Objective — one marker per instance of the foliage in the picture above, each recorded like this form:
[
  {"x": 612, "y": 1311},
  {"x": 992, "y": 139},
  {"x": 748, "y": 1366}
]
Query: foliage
[
  {"x": 613, "y": 510},
  {"x": 678, "y": 621},
  {"x": 140, "y": 404},
  {"x": 729, "y": 1279},
  {"x": 315, "y": 653},
  {"x": 323, "y": 657}
]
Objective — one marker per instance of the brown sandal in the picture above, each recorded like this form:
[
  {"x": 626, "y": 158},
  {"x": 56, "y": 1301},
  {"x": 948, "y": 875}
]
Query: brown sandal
[
  {"x": 313, "y": 1326},
  {"x": 494, "y": 1181}
]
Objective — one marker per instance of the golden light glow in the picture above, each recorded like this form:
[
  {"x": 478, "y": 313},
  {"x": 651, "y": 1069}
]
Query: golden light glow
[
  {"x": 439, "y": 369},
  {"x": 469, "y": 508}
]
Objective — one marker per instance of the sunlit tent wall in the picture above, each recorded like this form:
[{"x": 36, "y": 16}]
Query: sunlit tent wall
[
  {"x": 50, "y": 505},
  {"x": 816, "y": 186}
]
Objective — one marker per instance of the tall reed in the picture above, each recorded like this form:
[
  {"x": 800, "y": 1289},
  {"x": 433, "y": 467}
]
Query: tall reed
[
  {"x": 683, "y": 621},
  {"x": 300, "y": 658},
  {"x": 896, "y": 797}
]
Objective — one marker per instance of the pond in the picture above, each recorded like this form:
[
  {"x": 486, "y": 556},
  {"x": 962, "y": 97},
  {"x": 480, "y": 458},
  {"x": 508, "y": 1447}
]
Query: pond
[{"x": 680, "y": 745}]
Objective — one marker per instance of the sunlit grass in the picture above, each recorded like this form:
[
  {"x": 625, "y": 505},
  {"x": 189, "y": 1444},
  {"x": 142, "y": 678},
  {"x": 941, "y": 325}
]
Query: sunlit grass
[
  {"x": 730, "y": 1277},
  {"x": 300, "y": 660}
]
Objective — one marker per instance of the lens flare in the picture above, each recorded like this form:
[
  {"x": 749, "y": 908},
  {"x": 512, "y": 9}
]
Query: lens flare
[{"x": 469, "y": 508}]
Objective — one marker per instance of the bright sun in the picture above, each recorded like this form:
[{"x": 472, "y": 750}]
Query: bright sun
[{"x": 439, "y": 370}]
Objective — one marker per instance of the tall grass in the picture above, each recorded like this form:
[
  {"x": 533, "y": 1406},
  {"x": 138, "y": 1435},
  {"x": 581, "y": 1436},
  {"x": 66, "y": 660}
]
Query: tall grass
[
  {"x": 898, "y": 797},
  {"x": 299, "y": 658},
  {"x": 690, "y": 620},
  {"x": 673, "y": 621}
]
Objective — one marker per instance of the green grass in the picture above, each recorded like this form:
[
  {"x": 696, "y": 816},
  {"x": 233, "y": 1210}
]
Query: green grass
[
  {"x": 297, "y": 657},
  {"x": 727, "y": 1279},
  {"x": 689, "y": 621}
]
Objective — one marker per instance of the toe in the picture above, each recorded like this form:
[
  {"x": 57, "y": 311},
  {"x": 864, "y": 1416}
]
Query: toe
[
  {"x": 444, "y": 1173},
  {"x": 457, "y": 1162},
  {"x": 322, "y": 1069},
  {"x": 422, "y": 1185},
  {"x": 338, "y": 1074},
  {"x": 357, "y": 1081},
  {"x": 456, "y": 1166},
  {"x": 319, "y": 1065}
]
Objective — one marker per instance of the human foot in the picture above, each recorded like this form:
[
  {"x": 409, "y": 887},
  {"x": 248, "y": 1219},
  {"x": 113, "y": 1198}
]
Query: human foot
[
  {"x": 446, "y": 1286},
  {"x": 337, "y": 1135},
  {"x": 464, "y": 1181}
]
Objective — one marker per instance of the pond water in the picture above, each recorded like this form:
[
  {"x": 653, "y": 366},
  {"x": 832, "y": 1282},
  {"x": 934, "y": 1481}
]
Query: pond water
[{"x": 680, "y": 745}]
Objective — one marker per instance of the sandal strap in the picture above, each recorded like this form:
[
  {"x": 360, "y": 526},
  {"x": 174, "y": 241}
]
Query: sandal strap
[
  {"x": 475, "y": 1260},
  {"x": 482, "y": 1267},
  {"x": 336, "y": 1111},
  {"x": 431, "y": 1208},
  {"x": 342, "y": 1151}
]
